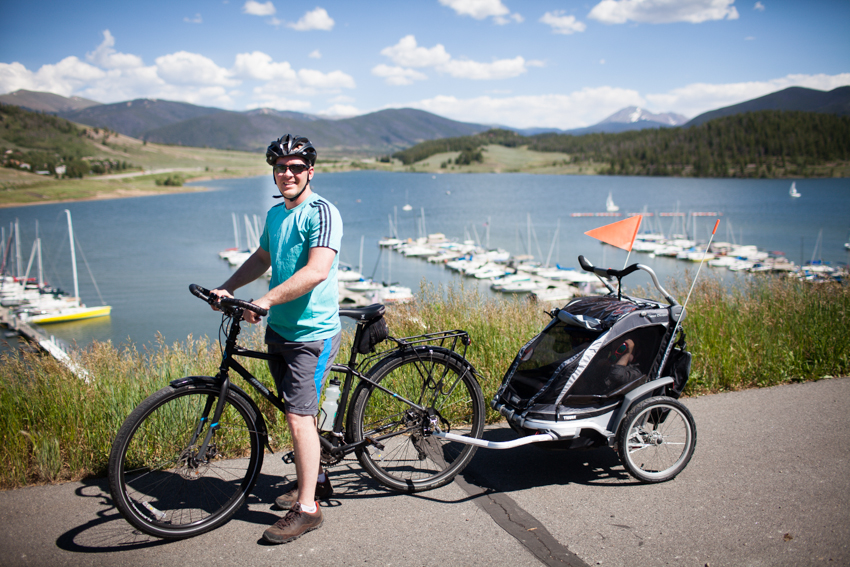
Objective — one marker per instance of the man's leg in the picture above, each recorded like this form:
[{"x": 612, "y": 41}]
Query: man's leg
[{"x": 305, "y": 439}]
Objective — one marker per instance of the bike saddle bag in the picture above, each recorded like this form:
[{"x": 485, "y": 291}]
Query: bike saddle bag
[{"x": 373, "y": 333}]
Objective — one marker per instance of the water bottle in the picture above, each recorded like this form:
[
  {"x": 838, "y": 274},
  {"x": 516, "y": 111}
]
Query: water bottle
[{"x": 328, "y": 413}]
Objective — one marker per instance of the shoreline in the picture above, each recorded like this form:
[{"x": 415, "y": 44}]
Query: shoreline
[{"x": 130, "y": 192}]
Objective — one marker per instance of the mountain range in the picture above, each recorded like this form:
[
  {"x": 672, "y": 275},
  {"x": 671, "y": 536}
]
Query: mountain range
[{"x": 384, "y": 131}]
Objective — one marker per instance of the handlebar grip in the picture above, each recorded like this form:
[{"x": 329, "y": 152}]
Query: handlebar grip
[
  {"x": 244, "y": 305},
  {"x": 608, "y": 273},
  {"x": 588, "y": 267},
  {"x": 217, "y": 301},
  {"x": 199, "y": 291}
]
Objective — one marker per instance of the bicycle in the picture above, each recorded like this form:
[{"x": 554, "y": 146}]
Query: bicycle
[{"x": 186, "y": 458}]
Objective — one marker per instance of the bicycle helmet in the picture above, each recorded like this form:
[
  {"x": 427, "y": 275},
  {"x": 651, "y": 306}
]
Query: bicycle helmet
[{"x": 291, "y": 145}]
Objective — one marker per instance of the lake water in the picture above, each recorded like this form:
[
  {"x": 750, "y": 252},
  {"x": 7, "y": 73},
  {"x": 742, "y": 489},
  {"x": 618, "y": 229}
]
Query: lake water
[{"x": 144, "y": 252}]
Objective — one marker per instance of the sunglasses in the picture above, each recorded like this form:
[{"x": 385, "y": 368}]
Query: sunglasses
[{"x": 295, "y": 168}]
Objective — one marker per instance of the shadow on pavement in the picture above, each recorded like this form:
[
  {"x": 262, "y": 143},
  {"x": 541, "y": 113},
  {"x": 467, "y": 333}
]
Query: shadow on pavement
[{"x": 531, "y": 466}]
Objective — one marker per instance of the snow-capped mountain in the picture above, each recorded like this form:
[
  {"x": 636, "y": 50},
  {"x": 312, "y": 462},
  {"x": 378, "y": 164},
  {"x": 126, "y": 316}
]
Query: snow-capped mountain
[{"x": 633, "y": 114}]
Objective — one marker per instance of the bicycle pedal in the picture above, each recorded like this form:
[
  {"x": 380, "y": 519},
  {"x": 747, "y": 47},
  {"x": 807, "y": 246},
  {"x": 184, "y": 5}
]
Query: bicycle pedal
[
  {"x": 289, "y": 458},
  {"x": 377, "y": 445}
]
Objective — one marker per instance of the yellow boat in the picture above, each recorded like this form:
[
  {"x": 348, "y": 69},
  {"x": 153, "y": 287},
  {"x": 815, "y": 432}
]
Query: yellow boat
[
  {"x": 75, "y": 311},
  {"x": 72, "y": 314}
]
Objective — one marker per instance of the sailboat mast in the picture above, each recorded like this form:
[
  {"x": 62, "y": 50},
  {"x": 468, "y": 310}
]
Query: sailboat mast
[
  {"x": 17, "y": 250},
  {"x": 73, "y": 255}
]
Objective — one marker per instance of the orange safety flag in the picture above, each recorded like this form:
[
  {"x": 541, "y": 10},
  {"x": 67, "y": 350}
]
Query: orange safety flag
[{"x": 620, "y": 234}]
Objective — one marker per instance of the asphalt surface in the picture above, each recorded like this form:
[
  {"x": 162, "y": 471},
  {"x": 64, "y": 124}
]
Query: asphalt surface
[{"x": 769, "y": 484}]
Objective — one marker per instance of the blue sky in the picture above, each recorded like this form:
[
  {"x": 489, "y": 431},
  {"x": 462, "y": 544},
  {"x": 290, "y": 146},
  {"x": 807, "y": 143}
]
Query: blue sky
[{"x": 545, "y": 63}]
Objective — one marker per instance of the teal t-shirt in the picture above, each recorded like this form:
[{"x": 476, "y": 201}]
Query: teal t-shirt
[{"x": 287, "y": 237}]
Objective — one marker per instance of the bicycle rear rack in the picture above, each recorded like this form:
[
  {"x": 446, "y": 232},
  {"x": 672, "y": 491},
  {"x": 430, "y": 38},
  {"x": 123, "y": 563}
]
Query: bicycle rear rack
[{"x": 449, "y": 340}]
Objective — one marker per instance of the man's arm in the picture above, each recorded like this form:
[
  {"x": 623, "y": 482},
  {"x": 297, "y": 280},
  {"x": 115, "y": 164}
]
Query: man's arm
[
  {"x": 319, "y": 263},
  {"x": 254, "y": 267}
]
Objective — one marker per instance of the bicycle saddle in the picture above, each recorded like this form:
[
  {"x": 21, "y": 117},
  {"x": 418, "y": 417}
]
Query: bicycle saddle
[{"x": 373, "y": 311}]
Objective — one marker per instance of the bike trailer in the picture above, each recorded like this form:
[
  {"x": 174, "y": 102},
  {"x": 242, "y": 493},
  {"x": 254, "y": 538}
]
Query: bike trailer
[{"x": 568, "y": 374}]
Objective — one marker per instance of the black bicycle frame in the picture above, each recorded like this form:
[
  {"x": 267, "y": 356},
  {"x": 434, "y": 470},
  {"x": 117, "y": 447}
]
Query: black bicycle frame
[{"x": 231, "y": 349}]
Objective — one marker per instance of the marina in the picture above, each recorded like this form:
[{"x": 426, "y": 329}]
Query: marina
[{"x": 145, "y": 251}]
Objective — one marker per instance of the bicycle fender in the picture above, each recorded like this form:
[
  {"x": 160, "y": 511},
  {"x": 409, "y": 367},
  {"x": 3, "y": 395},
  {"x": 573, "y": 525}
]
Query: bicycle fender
[
  {"x": 210, "y": 381},
  {"x": 634, "y": 397}
]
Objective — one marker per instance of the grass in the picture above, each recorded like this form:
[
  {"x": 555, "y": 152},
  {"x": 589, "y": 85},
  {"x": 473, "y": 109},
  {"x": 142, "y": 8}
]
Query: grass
[
  {"x": 22, "y": 188},
  {"x": 762, "y": 332}
]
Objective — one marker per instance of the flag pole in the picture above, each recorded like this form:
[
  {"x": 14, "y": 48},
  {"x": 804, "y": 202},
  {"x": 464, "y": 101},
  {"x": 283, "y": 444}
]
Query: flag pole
[
  {"x": 693, "y": 283},
  {"x": 629, "y": 255}
]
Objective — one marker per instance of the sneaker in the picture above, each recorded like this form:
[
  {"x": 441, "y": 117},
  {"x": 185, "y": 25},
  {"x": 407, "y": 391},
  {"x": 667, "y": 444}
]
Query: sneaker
[
  {"x": 293, "y": 525},
  {"x": 324, "y": 490}
]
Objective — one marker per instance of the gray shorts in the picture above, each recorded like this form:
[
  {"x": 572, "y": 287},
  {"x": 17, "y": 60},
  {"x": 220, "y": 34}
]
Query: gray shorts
[{"x": 301, "y": 370}]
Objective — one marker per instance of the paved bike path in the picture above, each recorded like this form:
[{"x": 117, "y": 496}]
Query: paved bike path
[{"x": 769, "y": 484}]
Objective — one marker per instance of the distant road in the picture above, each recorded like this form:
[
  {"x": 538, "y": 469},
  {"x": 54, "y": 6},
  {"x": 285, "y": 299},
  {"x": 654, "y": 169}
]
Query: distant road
[{"x": 145, "y": 172}]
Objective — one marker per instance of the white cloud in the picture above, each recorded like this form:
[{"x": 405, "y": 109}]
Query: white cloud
[
  {"x": 562, "y": 24},
  {"x": 590, "y": 105},
  {"x": 340, "y": 111},
  {"x": 759, "y": 6},
  {"x": 260, "y": 66},
  {"x": 398, "y": 76},
  {"x": 184, "y": 68},
  {"x": 315, "y": 54},
  {"x": 334, "y": 80},
  {"x": 63, "y": 78},
  {"x": 280, "y": 75},
  {"x": 407, "y": 54},
  {"x": 501, "y": 69},
  {"x": 105, "y": 56},
  {"x": 268, "y": 100},
  {"x": 482, "y": 9},
  {"x": 317, "y": 19},
  {"x": 663, "y": 11},
  {"x": 694, "y": 99},
  {"x": 582, "y": 108},
  {"x": 257, "y": 9},
  {"x": 196, "y": 20}
]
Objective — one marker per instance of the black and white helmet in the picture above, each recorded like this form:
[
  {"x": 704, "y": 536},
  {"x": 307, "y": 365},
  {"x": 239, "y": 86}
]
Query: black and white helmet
[{"x": 291, "y": 145}]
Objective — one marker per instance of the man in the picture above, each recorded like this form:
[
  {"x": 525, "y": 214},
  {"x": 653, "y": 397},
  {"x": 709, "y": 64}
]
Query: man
[{"x": 300, "y": 243}]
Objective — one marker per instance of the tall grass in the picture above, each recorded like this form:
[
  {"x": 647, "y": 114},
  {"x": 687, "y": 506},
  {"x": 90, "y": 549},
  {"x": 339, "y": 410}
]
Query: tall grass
[{"x": 760, "y": 332}]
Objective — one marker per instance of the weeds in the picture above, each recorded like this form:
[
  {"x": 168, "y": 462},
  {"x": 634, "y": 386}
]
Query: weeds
[{"x": 761, "y": 332}]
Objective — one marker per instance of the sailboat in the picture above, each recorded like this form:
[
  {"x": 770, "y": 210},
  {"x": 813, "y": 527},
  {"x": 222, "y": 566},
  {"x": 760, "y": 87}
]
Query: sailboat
[
  {"x": 609, "y": 204},
  {"x": 70, "y": 309},
  {"x": 793, "y": 192},
  {"x": 407, "y": 206}
]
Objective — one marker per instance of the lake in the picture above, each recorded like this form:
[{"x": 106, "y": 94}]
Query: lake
[{"x": 144, "y": 252}]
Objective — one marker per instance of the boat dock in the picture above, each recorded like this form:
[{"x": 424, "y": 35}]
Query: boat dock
[{"x": 38, "y": 338}]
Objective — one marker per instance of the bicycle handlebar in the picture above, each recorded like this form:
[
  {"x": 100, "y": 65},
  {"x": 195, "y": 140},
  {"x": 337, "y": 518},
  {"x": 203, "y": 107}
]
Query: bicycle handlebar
[
  {"x": 607, "y": 272},
  {"x": 612, "y": 273},
  {"x": 219, "y": 302}
]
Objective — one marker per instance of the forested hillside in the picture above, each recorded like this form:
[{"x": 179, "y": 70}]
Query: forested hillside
[
  {"x": 754, "y": 144},
  {"x": 36, "y": 141}
]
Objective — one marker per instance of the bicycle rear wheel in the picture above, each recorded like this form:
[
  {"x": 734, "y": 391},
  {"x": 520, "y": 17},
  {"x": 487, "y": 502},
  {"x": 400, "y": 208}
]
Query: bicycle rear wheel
[
  {"x": 657, "y": 439},
  {"x": 412, "y": 460},
  {"x": 156, "y": 481}
]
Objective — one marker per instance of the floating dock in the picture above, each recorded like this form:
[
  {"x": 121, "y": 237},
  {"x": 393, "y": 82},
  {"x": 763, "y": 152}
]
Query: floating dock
[{"x": 45, "y": 343}]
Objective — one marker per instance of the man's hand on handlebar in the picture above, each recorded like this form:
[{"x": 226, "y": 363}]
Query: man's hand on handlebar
[
  {"x": 221, "y": 292},
  {"x": 247, "y": 314},
  {"x": 252, "y": 317}
]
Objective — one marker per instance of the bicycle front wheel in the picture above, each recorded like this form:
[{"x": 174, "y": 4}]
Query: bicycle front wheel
[
  {"x": 157, "y": 481},
  {"x": 412, "y": 459}
]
